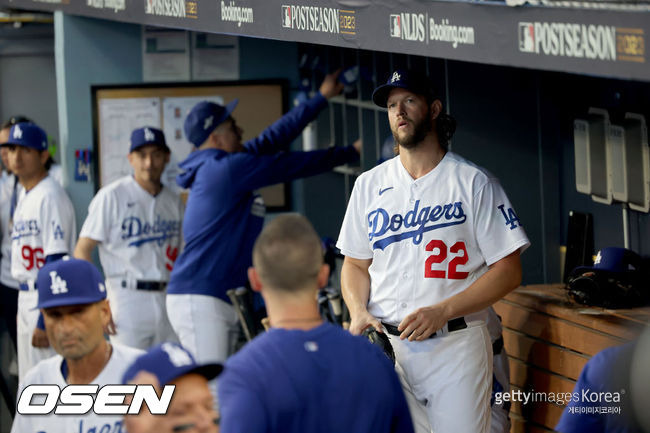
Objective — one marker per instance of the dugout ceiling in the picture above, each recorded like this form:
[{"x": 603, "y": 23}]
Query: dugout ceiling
[{"x": 601, "y": 42}]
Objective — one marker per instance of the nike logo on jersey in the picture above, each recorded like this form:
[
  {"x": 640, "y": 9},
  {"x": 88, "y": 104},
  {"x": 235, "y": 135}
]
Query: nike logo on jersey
[
  {"x": 381, "y": 191},
  {"x": 380, "y": 222},
  {"x": 143, "y": 232},
  {"x": 130, "y": 204},
  {"x": 25, "y": 228}
]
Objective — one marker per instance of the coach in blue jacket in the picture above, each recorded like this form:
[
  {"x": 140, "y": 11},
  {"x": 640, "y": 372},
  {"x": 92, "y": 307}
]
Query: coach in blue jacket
[{"x": 224, "y": 216}]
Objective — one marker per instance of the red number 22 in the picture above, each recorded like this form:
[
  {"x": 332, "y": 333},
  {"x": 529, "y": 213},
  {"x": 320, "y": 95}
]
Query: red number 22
[{"x": 441, "y": 255}]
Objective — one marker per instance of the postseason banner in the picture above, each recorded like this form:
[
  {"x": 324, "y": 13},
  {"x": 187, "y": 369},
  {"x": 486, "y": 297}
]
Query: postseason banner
[{"x": 584, "y": 41}]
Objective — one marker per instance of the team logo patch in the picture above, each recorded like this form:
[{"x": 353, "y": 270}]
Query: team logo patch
[
  {"x": 18, "y": 133},
  {"x": 510, "y": 216},
  {"x": 177, "y": 355},
  {"x": 396, "y": 77},
  {"x": 208, "y": 122},
  {"x": 429, "y": 218},
  {"x": 58, "y": 285},
  {"x": 148, "y": 135},
  {"x": 57, "y": 230}
]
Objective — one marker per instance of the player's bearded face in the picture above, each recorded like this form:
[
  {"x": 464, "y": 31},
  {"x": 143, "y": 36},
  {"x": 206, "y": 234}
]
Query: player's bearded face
[
  {"x": 409, "y": 116},
  {"x": 75, "y": 331}
]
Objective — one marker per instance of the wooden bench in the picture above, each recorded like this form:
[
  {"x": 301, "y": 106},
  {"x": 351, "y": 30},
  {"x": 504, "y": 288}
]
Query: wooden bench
[{"x": 549, "y": 339}]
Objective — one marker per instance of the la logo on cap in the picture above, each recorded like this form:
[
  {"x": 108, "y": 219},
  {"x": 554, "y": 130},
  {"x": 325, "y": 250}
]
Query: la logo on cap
[
  {"x": 59, "y": 285},
  {"x": 208, "y": 122},
  {"x": 148, "y": 135},
  {"x": 177, "y": 356},
  {"x": 396, "y": 77},
  {"x": 18, "y": 133}
]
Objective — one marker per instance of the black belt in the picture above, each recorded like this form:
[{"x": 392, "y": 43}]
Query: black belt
[
  {"x": 497, "y": 346},
  {"x": 151, "y": 286},
  {"x": 452, "y": 325}
]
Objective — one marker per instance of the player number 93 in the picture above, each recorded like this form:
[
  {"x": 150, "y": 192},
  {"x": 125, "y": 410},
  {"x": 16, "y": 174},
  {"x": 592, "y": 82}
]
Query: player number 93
[
  {"x": 440, "y": 255},
  {"x": 33, "y": 257}
]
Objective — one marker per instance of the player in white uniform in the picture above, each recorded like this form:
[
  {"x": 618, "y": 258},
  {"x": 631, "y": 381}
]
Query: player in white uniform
[
  {"x": 136, "y": 221},
  {"x": 430, "y": 241},
  {"x": 43, "y": 229},
  {"x": 72, "y": 297}
]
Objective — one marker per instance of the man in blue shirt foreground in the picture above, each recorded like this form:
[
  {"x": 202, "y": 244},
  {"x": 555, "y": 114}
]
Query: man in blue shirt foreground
[
  {"x": 304, "y": 375},
  {"x": 224, "y": 214}
]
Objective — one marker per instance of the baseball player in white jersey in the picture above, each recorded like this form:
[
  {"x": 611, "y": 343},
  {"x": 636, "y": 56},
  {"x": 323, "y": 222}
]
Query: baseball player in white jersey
[
  {"x": 72, "y": 297},
  {"x": 10, "y": 189},
  {"x": 136, "y": 221},
  {"x": 431, "y": 240},
  {"x": 43, "y": 230}
]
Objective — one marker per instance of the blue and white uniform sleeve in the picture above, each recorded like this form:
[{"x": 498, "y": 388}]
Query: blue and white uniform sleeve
[
  {"x": 353, "y": 238},
  {"x": 59, "y": 228},
  {"x": 499, "y": 231},
  {"x": 283, "y": 131}
]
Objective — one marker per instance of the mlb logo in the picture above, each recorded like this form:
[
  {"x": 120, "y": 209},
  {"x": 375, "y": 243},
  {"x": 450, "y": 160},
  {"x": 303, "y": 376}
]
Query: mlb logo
[
  {"x": 527, "y": 37},
  {"x": 395, "y": 26},
  {"x": 286, "y": 16}
]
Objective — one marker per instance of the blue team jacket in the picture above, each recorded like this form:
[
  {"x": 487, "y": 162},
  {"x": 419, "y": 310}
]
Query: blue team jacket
[{"x": 223, "y": 216}]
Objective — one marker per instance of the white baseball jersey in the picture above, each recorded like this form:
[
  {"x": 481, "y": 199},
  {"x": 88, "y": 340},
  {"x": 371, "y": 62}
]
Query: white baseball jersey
[
  {"x": 44, "y": 224},
  {"x": 6, "y": 191},
  {"x": 428, "y": 238},
  {"x": 56, "y": 173},
  {"x": 49, "y": 372},
  {"x": 139, "y": 235}
]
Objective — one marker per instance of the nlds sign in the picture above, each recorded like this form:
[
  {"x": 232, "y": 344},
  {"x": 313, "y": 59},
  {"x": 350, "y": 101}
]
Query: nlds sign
[{"x": 80, "y": 399}]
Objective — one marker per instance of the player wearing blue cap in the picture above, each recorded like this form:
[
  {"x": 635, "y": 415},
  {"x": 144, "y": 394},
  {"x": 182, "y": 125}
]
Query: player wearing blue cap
[
  {"x": 224, "y": 215},
  {"x": 191, "y": 408},
  {"x": 42, "y": 230},
  {"x": 431, "y": 241},
  {"x": 72, "y": 298},
  {"x": 304, "y": 375},
  {"x": 136, "y": 222}
]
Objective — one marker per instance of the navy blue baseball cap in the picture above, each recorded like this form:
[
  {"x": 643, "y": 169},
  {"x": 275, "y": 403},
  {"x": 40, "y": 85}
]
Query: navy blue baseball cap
[
  {"x": 147, "y": 136},
  {"x": 403, "y": 79},
  {"x": 204, "y": 118},
  {"x": 169, "y": 361},
  {"x": 27, "y": 135},
  {"x": 613, "y": 259},
  {"x": 69, "y": 281}
]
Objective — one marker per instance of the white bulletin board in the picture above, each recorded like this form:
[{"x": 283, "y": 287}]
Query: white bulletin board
[{"x": 120, "y": 110}]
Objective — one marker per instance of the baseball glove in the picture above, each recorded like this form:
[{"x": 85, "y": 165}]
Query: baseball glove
[{"x": 380, "y": 340}]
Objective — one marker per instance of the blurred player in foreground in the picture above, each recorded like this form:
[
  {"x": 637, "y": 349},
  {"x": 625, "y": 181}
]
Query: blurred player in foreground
[
  {"x": 304, "y": 375},
  {"x": 191, "y": 409}
]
